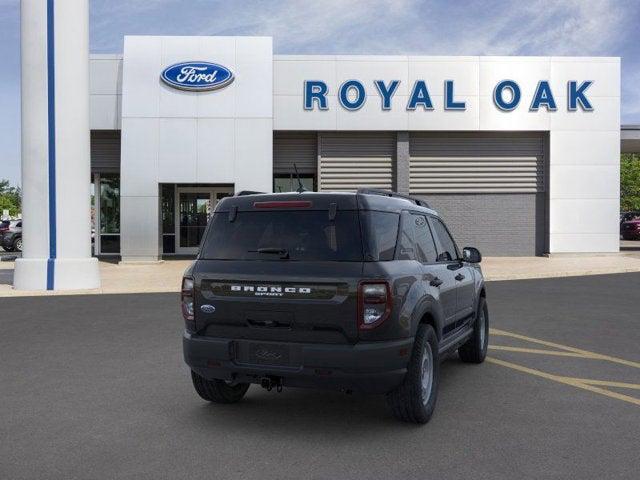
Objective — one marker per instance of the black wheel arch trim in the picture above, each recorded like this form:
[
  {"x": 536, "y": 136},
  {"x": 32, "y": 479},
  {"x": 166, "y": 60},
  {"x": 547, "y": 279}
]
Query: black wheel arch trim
[{"x": 431, "y": 308}]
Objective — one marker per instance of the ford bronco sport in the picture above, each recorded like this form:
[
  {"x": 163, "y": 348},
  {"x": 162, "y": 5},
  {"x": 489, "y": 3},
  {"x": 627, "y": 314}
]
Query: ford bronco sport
[{"x": 361, "y": 291}]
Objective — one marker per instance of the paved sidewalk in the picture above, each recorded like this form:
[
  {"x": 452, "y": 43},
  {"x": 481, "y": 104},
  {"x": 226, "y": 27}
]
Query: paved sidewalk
[
  {"x": 166, "y": 276},
  {"x": 519, "y": 268}
]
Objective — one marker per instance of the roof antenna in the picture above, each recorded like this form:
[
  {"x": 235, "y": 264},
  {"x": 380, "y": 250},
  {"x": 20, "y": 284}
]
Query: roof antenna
[{"x": 301, "y": 188}]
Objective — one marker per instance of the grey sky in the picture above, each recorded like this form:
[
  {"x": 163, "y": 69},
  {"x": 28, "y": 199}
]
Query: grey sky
[{"x": 437, "y": 27}]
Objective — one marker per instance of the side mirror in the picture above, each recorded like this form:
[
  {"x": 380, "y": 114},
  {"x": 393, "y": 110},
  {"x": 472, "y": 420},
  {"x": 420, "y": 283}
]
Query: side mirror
[{"x": 471, "y": 255}]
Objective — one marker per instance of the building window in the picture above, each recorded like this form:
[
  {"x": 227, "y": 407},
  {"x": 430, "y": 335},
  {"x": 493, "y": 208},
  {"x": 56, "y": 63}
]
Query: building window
[
  {"x": 109, "y": 213},
  {"x": 289, "y": 182},
  {"x": 168, "y": 209}
]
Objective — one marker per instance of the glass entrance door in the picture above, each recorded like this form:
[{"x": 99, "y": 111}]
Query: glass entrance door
[{"x": 194, "y": 207}]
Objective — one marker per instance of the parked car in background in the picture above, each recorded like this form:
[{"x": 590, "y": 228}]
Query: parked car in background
[
  {"x": 630, "y": 225},
  {"x": 4, "y": 226},
  {"x": 11, "y": 236},
  {"x": 626, "y": 216}
]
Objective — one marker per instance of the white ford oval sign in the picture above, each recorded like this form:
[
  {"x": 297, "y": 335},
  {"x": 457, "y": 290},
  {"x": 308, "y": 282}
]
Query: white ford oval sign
[{"x": 197, "y": 76}]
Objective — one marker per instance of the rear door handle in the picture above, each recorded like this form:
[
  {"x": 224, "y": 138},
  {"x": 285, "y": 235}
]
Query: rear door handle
[
  {"x": 459, "y": 277},
  {"x": 436, "y": 282}
]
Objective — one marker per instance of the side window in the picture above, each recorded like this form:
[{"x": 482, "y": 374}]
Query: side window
[
  {"x": 381, "y": 234},
  {"x": 424, "y": 240},
  {"x": 406, "y": 243},
  {"x": 447, "y": 250}
]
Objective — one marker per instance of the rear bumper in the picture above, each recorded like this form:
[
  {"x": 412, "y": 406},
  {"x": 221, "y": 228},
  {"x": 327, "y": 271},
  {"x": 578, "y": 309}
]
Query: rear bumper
[{"x": 374, "y": 367}]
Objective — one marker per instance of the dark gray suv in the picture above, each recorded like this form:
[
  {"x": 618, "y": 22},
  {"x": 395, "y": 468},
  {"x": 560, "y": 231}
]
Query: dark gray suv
[{"x": 361, "y": 291}]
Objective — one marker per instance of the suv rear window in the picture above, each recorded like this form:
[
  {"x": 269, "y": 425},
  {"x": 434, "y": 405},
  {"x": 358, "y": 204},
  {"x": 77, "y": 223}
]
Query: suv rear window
[{"x": 304, "y": 234}]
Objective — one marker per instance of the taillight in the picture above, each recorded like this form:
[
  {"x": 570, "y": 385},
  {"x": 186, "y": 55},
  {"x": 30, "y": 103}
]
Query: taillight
[
  {"x": 186, "y": 298},
  {"x": 374, "y": 304}
]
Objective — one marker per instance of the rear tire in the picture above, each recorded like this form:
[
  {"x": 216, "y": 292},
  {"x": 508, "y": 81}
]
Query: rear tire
[
  {"x": 415, "y": 400},
  {"x": 218, "y": 391},
  {"x": 17, "y": 245},
  {"x": 475, "y": 349}
]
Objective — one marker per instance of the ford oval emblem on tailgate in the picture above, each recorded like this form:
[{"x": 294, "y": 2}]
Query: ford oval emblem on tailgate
[
  {"x": 208, "y": 308},
  {"x": 197, "y": 76}
]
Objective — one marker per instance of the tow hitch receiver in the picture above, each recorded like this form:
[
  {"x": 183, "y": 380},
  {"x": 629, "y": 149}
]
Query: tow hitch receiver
[{"x": 269, "y": 383}]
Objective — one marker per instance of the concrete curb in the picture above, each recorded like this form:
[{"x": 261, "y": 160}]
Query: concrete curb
[{"x": 98, "y": 291}]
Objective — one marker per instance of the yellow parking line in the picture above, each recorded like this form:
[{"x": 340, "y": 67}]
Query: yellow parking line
[
  {"x": 538, "y": 351},
  {"x": 566, "y": 380},
  {"x": 606, "y": 383},
  {"x": 585, "y": 353}
]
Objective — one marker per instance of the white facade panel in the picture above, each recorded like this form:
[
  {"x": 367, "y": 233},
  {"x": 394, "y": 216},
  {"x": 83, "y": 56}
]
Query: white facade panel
[
  {"x": 254, "y": 147},
  {"x": 439, "y": 119},
  {"x": 177, "y": 146},
  {"x": 368, "y": 71},
  {"x": 289, "y": 75},
  {"x": 570, "y": 148},
  {"x": 105, "y": 75},
  {"x": 177, "y": 104},
  {"x": 569, "y": 181},
  {"x": 223, "y": 49},
  {"x": 605, "y": 115},
  {"x": 465, "y": 71},
  {"x": 289, "y": 114},
  {"x": 585, "y": 215},
  {"x": 585, "y": 242},
  {"x": 603, "y": 72},
  {"x": 225, "y": 135},
  {"x": 585, "y": 181},
  {"x": 253, "y": 89},
  {"x": 140, "y": 69},
  {"x": 520, "y": 119},
  {"x": 104, "y": 112},
  {"x": 139, "y": 235},
  {"x": 215, "y": 145},
  {"x": 169, "y": 135},
  {"x": 371, "y": 117},
  {"x": 139, "y": 157},
  {"x": 525, "y": 71},
  {"x": 220, "y": 105}
]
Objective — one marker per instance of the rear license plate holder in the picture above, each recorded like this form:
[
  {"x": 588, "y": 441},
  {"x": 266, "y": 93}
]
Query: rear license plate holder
[{"x": 269, "y": 354}]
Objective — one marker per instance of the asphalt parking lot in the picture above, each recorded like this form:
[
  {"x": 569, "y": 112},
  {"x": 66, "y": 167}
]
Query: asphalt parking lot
[{"x": 94, "y": 387}]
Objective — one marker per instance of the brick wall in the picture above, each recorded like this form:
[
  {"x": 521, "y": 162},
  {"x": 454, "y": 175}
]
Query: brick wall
[{"x": 496, "y": 224}]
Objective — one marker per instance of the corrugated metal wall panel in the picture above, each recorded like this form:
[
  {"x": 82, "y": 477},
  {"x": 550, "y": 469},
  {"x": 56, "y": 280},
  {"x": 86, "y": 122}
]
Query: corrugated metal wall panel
[
  {"x": 353, "y": 160},
  {"x": 105, "y": 151},
  {"x": 476, "y": 162},
  {"x": 295, "y": 147}
]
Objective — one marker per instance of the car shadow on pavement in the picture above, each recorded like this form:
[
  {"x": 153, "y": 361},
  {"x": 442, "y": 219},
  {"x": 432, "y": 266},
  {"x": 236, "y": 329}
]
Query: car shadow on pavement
[{"x": 317, "y": 412}]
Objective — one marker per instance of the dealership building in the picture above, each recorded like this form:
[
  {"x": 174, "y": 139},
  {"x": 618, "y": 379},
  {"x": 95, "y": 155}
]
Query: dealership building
[{"x": 520, "y": 155}]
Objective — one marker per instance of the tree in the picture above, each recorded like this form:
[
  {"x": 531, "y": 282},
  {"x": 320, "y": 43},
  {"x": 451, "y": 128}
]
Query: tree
[
  {"x": 10, "y": 198},
  {"x": 630, "y": 182}
]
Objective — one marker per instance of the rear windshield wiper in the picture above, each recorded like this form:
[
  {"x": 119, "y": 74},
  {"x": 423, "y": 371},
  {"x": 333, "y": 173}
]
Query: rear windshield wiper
[{"x": 283, "y": 252}]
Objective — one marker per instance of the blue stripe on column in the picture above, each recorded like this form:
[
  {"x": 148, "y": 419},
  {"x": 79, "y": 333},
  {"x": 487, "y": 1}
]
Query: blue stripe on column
[{"x": 51, "y": 111}]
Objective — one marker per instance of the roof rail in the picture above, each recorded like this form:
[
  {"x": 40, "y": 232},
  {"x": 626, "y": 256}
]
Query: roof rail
[
  {"x": 248, "y": 192},
  {"x": 389, "y": 193}
]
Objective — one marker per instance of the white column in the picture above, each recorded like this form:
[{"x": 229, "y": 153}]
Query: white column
[{"x": 55, "y": 148}]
